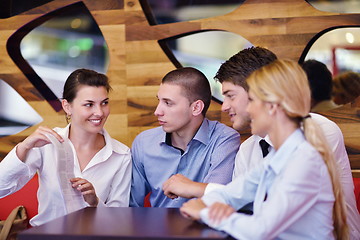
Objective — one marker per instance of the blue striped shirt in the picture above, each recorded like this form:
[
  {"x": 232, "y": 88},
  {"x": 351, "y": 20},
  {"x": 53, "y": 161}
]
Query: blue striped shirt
[{"x": 209, "y": 157}]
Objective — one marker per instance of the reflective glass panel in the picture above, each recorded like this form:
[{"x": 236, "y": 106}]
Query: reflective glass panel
[
  {"x": 62, "y": 44},
  {"x": 165, "y": 11},
  {"x": 339, "y": 49},
  {"x": 206, "y": 51},
  {"x": 339, "y": 6},
  {"x": 15, "y": 119}
]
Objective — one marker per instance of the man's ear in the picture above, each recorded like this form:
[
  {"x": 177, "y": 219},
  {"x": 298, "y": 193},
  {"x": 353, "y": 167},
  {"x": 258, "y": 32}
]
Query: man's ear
[{"x": 197, "y": 107}]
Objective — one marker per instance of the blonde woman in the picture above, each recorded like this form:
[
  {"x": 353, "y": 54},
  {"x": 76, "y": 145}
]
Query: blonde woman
[{"x": 295, "y": 188}]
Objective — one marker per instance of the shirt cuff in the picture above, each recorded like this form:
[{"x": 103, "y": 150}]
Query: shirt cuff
[
  {"x": 212, "y": 186},
  {"x": 204, "y": 215},
  {"x": 221, "y": 226}
]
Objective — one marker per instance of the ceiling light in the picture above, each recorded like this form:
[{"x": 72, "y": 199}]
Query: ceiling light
[{"x": 349, "y": 37}]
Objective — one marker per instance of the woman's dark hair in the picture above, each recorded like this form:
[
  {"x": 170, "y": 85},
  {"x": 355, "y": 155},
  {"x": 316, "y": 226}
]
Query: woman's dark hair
[{"x": 83, "y": 77}]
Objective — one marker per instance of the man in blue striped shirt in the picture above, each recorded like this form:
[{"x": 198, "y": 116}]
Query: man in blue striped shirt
[{"x": 186, "y": 144}]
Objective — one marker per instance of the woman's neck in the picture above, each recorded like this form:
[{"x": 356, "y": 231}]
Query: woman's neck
[
  {"x": 84, "y": 140},
  {"x": 281, "y": 130}
]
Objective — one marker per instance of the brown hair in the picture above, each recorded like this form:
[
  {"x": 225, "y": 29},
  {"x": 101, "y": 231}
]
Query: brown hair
[
  {"x": 83, "y": 77},
  {"x": 238, "y": 68}
]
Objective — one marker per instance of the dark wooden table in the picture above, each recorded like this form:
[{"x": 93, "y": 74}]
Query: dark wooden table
[{"x": 122, "y": 223}]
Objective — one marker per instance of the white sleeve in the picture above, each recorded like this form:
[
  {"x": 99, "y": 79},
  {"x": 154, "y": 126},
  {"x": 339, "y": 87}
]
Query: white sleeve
[
  {"x": 212, "y": 186},
  {"x": 14, "y": 173}
]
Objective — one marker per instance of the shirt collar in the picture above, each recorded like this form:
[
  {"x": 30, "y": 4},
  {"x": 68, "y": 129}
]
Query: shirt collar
[
  {"x": 109, "y": 146},
  {"x": 112, "y": 145},
  {"x": 281, "y": 156},
  {"x": 201, "y": 134},
  {"x": 266, "y": 138},
  {"x": 63, "y": 132}
]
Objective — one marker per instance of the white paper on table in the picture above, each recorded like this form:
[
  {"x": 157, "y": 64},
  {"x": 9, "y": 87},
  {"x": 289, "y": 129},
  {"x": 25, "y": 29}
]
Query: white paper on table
[{"x": 65, "y": 166}]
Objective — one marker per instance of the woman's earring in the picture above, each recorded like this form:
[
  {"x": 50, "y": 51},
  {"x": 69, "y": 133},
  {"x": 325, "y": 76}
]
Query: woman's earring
[{"x": 68, "y": 118}]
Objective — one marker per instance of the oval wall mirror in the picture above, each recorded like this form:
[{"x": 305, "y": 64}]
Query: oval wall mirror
[
  {"x": 339, "y": 50},
  {"x": 204, "y": 51},
  {"x": 50, "y": 47},
  {"x": 165, "y": 11}
]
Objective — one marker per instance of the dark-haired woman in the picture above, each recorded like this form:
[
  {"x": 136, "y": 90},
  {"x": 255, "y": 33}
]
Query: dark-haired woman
[{"x": 79, "y": 165}]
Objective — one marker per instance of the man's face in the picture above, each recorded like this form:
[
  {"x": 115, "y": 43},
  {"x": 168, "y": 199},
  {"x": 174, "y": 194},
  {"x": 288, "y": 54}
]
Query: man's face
[
  {"x": 235, "y": 102},
  {"x": 174, "y": 111}
]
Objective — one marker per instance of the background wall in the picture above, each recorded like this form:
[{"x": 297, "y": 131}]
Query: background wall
[{"x": 137, "y": 63}]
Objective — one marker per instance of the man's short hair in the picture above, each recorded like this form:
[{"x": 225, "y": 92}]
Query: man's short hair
[
  {"x": 194, "y": 83},
  {"x": 239, "y": 67}
]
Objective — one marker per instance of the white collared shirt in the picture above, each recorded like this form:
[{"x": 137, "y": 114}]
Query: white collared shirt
[{"x": 109, "y": 171}]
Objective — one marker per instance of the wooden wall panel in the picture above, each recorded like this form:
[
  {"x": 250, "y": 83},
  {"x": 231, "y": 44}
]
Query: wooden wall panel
[{"x": 137, "y": 63}]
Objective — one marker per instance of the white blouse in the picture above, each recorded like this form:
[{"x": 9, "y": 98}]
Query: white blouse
[{"x": 109, "y": 171}]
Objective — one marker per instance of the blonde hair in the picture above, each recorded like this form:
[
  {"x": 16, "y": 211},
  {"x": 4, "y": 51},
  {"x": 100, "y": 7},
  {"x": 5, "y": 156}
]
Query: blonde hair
[{"x": 285, "y": 82}]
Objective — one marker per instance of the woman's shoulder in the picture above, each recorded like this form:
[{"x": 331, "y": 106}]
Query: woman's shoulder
[
  {"x": 307, "y": 157},
  {"x": 119, "y": 146},
  {"x": 63, "y": 132},
  {"x": 308, "y": 152},
  {"x": 116, "y": 145}
]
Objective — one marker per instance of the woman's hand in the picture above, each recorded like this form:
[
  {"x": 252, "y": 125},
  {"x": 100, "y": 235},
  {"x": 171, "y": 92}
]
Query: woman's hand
[
  {"x": 36, "y": 139},
  {"x": 191, "y": 209},
  {"x": 86, "y": 189}
]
